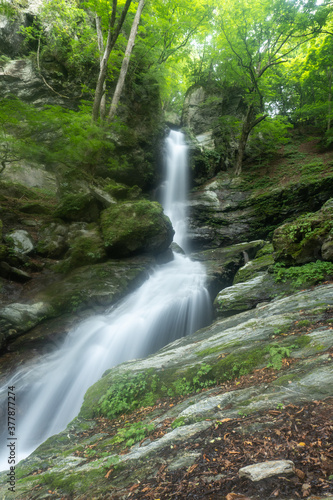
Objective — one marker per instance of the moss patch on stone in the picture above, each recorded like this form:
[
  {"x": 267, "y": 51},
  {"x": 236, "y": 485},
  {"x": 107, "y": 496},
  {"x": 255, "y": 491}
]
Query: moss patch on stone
[
  {"x": 138, "y": 226},
  {"x": 300, "y": 241},
  {"x": 77, "y": 207}
]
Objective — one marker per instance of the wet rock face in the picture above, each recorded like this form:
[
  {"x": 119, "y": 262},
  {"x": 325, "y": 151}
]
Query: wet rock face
[
  {"x": 20, "y": 78},
  {"x": 222, "y": 263},
  {"x": 11, "y": 41},
  {"x": 198, "y": 112},
  {"x": 221, "y": 214},
  {"x": 18, "y": 318}
]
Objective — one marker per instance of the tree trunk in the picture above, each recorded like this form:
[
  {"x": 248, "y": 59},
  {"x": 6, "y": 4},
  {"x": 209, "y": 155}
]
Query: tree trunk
[
  {"x": 101, "y": 52},
  {"x": 248, "y": 124},
  {"x": 113, "y": 34},
  {"x": 125, "y": 63},
  {"x": 329, "y": 74}
]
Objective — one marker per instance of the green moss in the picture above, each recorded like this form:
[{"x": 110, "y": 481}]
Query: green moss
[
  {"x": 74, "y": 481},
  {"x": 77, "y": 207},
  {"x": 135, "y": 226},
  {"x": 266, "y": 250},
  {"x": 285, "y": 379},
  {"x": 302, "y": 341},
  {"x": 303, "y": 322},
  {"x": 85, "y": 249},
  {"x": 122, "y": 191},
  {"x": 3, "y": 252},
  {"x": 209, "y": 351},
  {"x": 218, "y": 348},
  {"x": 253, "y": 268}
]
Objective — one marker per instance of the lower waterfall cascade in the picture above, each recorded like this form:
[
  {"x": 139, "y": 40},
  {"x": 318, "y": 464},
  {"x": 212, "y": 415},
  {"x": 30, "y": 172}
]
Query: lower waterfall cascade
[{"x": 171, "y": 304}]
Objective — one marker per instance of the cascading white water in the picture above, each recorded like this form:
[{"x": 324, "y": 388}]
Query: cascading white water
[
  {"x": 172, "y": 303},
  {"x": 175, "y": 187}
]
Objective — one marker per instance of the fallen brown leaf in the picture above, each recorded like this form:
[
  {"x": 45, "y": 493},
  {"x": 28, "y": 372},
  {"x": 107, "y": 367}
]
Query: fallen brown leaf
[{"x": 236, "y": 496}]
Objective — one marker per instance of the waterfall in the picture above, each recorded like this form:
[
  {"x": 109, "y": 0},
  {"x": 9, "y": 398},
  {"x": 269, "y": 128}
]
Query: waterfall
[{"x": 172, "y": 303}]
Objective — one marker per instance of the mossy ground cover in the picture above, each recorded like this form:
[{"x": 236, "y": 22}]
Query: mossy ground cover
[{"x": 301, "y": 160}]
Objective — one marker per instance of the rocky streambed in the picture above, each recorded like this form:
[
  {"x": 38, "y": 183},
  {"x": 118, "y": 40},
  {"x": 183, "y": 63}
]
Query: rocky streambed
[{"x": 252, "y": 388}]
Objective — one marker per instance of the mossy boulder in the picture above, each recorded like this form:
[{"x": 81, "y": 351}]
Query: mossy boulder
[
  {"x": 247, "y": 295},
  {"x": 78, "y": 207},
  {"x": 132, "y": 227},
  {"x": 327, "y": 249},
  {"x": 20, "y": 241},
  {"x": 17, "y": 318},
  {"x": 301, "y": 241},
  {"x": 96, "y": 285},
  {"x": 86, "y": 246},
  {"x": 34, "y": 208},
  {"x": 52, "y": 241}
]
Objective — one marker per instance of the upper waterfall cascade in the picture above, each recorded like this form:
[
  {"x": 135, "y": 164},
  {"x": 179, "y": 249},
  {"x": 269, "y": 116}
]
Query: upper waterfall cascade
[{"x": 172, "y": 303}]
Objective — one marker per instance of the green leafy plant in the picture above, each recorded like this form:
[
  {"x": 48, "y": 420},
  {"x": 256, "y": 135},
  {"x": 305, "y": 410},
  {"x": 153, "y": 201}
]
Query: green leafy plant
[
  {"x": 179, "y": 422},
  {"x": 132, "y": 434},
  {"x": 127, "y": 393},
  {"x": 277, "y": 353},
  {"x": 313, "y": 273},
  {"x": 112, "y": 461}
]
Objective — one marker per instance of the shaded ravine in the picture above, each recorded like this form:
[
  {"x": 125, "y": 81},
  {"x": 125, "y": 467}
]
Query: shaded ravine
[{"x": 171, "y": 304}]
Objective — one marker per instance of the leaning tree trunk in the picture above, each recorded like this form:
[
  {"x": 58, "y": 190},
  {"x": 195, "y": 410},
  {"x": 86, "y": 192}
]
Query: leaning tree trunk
[
  {"x": 329, "y": 74},
  {"x": 101, "y": 52},
  {"x": 248, "y": 124},
  {"x": 246, "y": 129},
  {"x": 125, "y": 63}
]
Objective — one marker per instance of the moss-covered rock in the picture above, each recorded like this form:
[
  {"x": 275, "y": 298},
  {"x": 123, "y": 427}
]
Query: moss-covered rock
[
  {"x": 3, "y": 252},
  {"x": 300, "y": 241},
  {"x": 247, "y": 295},
  {"x": 253, "y": 268},
  {"x": 85, "y": 247},
  {"x": 20, "y": 241},
  {"x": 35, "y": 208},
  {"x": 96, "y": 285},
  {"x": 133, "y": 227},
  {"x": 327, "y": 249},
  {"x": 16, "y": 319},
  {"x": 52, "y": 241},
  {"x": 78, "y": 207}
]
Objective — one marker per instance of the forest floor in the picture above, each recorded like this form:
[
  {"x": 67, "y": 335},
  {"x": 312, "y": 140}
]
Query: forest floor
[
  {"x": 304, "y": 158},
  {"x": 301, "y": 433}
]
